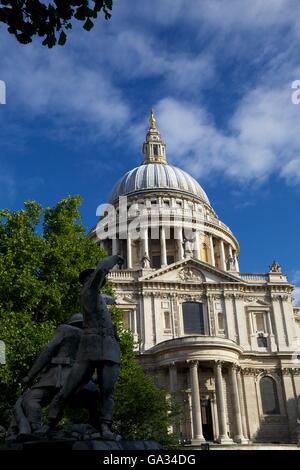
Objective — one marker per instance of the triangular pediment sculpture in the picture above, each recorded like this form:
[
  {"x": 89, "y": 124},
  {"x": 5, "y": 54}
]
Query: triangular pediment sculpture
[{"x": 190, "y": 271}]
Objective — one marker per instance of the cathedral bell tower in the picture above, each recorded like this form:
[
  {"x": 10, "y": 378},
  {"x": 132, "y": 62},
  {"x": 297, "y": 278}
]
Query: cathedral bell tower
[{"x": 154, "y": 149}]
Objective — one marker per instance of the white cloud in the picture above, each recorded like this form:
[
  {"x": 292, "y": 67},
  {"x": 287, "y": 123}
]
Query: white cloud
[
  {"x": 227, "y": 14},
  {"x": 83, "y": 89},
  {"x": 296, "y": 277},
  {"x": 262, "y": 136},
  {"x": 296, "y": 295},
  {"x": 134, "y": 54},
  {"x": 57, "y": 86},
  {"x": 253, "y": 14},
  {"x": 291, "y": 172},
  {"x": 296, "y": 281}
]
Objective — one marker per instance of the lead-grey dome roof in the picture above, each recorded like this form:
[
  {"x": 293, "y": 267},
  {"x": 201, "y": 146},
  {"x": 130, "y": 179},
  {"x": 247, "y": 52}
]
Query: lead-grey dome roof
[{"x": 157, "y": 176}]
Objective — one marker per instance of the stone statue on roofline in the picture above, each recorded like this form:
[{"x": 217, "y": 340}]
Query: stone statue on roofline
[{"x": 275, "y": 267}]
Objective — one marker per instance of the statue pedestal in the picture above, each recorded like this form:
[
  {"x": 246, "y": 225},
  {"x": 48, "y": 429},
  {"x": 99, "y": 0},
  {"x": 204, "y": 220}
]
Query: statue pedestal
[
  {"x": 116, "y": 445},
  {"x": 71, "y": 444}
]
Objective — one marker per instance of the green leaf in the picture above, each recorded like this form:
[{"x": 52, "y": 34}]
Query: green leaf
[
  {"x": 62, "y": 38},
  {"x": 88, "y": 25}
]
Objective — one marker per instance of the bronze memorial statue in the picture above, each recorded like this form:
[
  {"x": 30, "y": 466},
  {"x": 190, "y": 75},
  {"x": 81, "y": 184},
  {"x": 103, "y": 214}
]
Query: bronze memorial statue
[
  {"x": 52, "y": 369},
  {"x": 86, "y": 344},
  {"x": 65, "y": 368},
  {"x": 98, "y": 349}
]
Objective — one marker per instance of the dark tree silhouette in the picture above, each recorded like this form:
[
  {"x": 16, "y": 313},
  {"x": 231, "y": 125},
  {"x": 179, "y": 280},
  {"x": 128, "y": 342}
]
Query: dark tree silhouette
[{"x": 50, "y": 19}]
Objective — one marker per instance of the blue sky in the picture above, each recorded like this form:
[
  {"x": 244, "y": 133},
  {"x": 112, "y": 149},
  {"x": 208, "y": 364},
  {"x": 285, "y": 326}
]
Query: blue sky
[{"x": 218, "y": 74}]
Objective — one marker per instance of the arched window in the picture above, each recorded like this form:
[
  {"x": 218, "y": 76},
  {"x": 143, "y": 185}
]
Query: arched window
[
  {"x": 193, "y": 320},
  {"x": 269, "y": 397}
]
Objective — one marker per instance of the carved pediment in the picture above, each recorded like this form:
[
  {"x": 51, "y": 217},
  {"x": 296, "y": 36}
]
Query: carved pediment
[
  {"x": 255, "y": 302},
  {"x": 126, "y": 299},
  {"x": 190, "y": 274},
  {"x": 189, "y": 271}
]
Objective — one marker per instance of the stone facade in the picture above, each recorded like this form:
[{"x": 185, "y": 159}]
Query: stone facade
[{"x": 225, "y": 343}]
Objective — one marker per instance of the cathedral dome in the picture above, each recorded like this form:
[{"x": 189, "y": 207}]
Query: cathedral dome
[{"x": 157, "y": 176}]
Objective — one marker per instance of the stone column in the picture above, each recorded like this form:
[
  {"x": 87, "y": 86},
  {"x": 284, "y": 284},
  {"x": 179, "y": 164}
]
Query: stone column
[
  {"x": 147, "y": 321},
  {"x": 230, "y": 321},
  {"x": 173, "y": 389},
  {"x": 242, "y": 404},
  {"x": 196, "y": 405},
  {"x": 289, "y": 320},
  {"x": 223, "y": 436},
  {"x": 291, "y": 401},
  {"x": 273, "y": 346},
  {"x": 157, "y": 319},
  {"x": 145, "y": 242},
  {"x": 241, "y": 319},
  {"x": 222, "y": 255},
  {"x": 129, "y": 251},
  {"x": 279, "y": 325},
  {"x": 115, "y": 245},
  {"x": 197, "y": 246},
  {"x": 163, "y": 247},
  {"x": 239, "y": 438},
  {"x": 230, "y": 252},
  {"x": 173, "y": 378},
  {"x": 179, "y": 240},
  {"x": 212, "y": 252},
  {"x": 236, "y": 262}
]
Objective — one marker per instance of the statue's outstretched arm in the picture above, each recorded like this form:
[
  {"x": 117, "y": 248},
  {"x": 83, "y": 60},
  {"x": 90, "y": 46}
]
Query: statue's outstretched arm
[
  {"x": 109, "y": 299},
  {"x": 97, "y": 279}
]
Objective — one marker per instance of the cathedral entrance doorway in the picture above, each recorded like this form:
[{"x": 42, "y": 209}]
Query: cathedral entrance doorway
[{"x": 207, "y": 424}]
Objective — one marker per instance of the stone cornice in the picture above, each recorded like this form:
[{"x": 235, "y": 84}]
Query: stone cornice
[{"x": 256, "y": 371}]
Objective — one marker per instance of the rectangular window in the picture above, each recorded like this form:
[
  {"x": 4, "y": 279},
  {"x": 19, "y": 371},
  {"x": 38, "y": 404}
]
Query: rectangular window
[
  {"x": 155, "y": 149},
  {"x": 193, "y": 320},
  {"x": 126, "y": 319},
  {"x": 262, "y": 342},
  {"x": 221, "y": 322},
  {"x": 260, "y": 324},
  {"x": 167, "y": 321}
]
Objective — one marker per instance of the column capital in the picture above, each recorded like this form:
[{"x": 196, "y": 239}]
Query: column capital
[
  {"x": 219, "y": 363},
  {"x": 193, "y": 363}
]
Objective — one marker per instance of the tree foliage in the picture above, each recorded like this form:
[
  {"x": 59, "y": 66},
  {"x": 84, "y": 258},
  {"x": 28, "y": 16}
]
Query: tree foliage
[
  {"x": 42, "y": 252},
  {"x": 143, "y": 411},
  {"x": 50, "y": 20}
]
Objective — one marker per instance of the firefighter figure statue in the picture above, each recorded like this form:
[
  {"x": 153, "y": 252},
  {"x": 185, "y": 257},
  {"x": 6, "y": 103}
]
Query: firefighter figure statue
[{"x": 98, "y": 349}]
